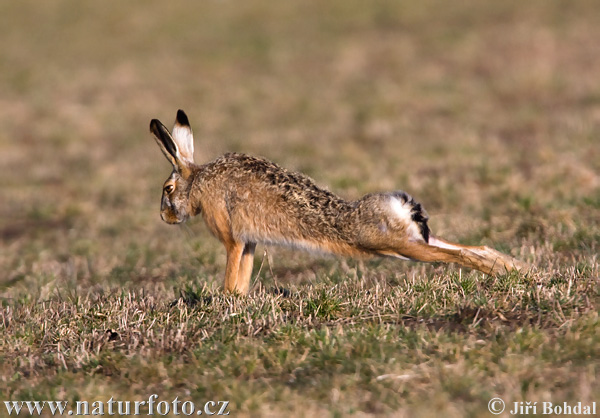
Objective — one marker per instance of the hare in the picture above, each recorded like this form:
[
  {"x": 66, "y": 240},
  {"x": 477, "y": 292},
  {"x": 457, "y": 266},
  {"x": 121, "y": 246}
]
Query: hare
[{"x": 246, "y": 200}]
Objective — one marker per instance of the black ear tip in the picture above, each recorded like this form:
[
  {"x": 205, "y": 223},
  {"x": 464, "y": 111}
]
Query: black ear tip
[
  {"x": 182, "y": 118},
  {"x": 154, "y": 125}
]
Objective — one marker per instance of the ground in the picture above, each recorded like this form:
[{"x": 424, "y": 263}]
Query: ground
[{"x": 487, "y": 113}]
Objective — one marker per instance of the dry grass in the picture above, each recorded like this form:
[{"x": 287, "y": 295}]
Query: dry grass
[{"x": 488, "y": 114}]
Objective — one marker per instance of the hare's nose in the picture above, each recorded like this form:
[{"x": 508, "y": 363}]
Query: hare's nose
[{"x": 165, "y": 204}]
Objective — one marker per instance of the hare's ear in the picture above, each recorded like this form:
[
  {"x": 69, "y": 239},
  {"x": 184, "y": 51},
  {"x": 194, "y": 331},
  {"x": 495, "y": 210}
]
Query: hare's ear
[
  {"x": 165, "y": 142},
  {"x": 183, "y": 137}
]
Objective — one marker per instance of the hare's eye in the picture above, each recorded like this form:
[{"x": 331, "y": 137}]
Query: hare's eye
[{"x": 169, "y": 188}]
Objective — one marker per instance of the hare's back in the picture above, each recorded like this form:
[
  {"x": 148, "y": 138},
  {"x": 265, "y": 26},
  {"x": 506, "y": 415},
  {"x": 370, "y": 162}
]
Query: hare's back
[
  {"x": 246, "y": 174},
  {"x": 268, "y": 203}
]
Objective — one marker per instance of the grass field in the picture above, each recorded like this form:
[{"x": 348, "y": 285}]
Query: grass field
[{"x": 488, "y": 113}]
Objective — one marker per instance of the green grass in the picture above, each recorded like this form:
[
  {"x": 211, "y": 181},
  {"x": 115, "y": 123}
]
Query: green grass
[
  {"x": 486, "y": 113},
  {"x": 341, "y": 348}
]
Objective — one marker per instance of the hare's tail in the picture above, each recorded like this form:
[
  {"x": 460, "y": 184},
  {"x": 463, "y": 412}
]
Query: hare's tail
[{"x": 484, "y": 259}]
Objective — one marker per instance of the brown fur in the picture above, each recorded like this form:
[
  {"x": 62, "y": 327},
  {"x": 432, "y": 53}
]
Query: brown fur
[{"x": 245, "y": 200}]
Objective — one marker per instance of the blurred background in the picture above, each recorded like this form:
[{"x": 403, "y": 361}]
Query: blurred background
[{"x": 487, "y": 113}]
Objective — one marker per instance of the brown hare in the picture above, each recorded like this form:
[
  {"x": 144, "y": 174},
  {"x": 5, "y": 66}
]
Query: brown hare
[{"x": 248, "y": 200}]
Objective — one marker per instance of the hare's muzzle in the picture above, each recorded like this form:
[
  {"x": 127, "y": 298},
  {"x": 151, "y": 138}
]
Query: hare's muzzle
[{"x": 172, "y": 218}]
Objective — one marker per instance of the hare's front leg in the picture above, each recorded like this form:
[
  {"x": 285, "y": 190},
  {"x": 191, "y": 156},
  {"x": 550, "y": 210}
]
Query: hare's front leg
[
  {"x": 245, "y": 270},
  {"x": 240, "y": 258},
  {"x": 234, "y": 259}
]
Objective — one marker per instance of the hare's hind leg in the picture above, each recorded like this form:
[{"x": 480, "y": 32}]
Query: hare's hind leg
[
  {"x": 495, "y": 260},
  {"x": 484, "y": 259},
  {"x": 245, "y": 270}
]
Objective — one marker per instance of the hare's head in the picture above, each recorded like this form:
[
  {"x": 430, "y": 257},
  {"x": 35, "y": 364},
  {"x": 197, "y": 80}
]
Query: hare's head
[{"x": 178, "y": 147}]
